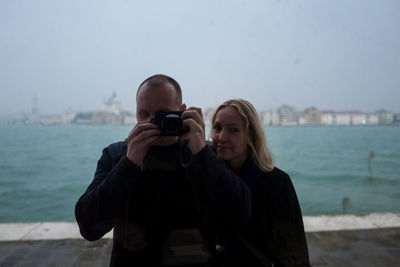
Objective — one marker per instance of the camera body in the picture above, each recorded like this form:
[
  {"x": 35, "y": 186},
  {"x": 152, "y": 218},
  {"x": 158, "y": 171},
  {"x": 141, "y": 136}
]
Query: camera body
[{"x": 169, "y": 122}]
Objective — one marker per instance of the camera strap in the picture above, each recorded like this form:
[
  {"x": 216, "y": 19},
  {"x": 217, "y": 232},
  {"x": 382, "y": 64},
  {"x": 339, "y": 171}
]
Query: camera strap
[
  {"x": 185, "y": 153},
  {"x": 257, "y": 253}
]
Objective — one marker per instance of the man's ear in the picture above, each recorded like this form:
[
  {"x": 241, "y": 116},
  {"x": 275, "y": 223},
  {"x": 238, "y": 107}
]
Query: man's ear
[{"x": 183, "y": 107}]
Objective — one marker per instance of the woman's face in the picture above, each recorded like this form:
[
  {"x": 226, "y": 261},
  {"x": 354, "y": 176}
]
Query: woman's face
[{"x": 229, "y": 136}]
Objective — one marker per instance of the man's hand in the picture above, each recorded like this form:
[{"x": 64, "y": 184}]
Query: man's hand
[
  {"x": 193, "y": 118},
  {"x": 140, "y": 139}
]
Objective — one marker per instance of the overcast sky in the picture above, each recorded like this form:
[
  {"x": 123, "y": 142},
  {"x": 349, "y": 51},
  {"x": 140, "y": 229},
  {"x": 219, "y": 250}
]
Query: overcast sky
[{"x": 331, "y": 54}]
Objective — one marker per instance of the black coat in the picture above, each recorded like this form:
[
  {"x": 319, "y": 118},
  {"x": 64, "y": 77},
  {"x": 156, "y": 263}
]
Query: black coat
[
  {"x": 275, "y": 227},
  {"x": 142, "y": 204}
]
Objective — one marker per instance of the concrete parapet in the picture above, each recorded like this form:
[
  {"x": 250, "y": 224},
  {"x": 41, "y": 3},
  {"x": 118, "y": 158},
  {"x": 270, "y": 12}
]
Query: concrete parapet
[
  {"x": 70, "y": 230},
  {"x": 351, "y": 221}
]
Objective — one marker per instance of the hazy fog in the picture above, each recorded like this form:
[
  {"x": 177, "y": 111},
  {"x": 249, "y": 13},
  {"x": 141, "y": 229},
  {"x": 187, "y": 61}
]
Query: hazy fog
[{"x": 335, "y": 55}]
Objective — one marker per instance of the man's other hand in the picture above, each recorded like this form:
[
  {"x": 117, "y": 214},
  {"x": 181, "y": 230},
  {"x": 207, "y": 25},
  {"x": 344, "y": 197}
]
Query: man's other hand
[
  {"x": 193, "y": 118},
  {"x": 140, "y": 139}
]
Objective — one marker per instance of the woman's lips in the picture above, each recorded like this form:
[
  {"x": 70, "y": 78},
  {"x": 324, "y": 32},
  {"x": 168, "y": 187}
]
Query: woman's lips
[{"x": 222, "y": 148}]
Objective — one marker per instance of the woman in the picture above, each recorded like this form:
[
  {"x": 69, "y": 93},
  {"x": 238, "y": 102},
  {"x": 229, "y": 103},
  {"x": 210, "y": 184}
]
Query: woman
[{"x": 274, "y": 233}]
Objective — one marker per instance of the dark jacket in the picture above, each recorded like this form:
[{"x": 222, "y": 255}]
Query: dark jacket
[
  {"x": 275, "y": 227},
  {"x": 143, "y": 204}
]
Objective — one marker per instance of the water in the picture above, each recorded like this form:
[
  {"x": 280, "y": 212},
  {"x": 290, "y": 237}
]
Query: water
[
  {"x": 44, "y": 170},
  {"x": 329, "y": 164}
]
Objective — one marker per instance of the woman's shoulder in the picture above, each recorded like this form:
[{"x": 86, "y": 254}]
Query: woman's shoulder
[
  {"x": 276, "y": 176},
  {"x": 275, "y": 172},
  {"x": 278, "y": 172}
]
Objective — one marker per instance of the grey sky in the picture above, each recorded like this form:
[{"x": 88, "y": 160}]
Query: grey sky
[{"x": 333, "y": 54}]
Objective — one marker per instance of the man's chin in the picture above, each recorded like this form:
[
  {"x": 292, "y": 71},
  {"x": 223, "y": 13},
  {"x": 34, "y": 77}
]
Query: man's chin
[{"x": 167, "y": 141}]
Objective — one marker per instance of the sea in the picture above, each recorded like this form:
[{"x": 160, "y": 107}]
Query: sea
[{"x": 335, "y": 170}]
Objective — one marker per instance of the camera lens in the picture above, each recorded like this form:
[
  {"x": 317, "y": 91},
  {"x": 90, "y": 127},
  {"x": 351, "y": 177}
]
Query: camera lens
[{"x": 171, "y": 125}]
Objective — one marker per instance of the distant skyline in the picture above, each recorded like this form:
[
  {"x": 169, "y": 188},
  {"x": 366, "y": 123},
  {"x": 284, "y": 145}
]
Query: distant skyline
[
  {"x": 38, "y": 111},
  {"x": 333, "y": 55}
]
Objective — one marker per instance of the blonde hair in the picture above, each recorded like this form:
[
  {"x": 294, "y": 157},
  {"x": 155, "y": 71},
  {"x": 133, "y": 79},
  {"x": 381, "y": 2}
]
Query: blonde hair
[{"x": 255, "y": 137}]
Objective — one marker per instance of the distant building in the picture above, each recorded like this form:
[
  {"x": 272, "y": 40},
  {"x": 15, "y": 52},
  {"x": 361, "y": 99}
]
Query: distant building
[
  {"x": 269, "y": 117},
  {"x": 68, "y": 116},
  {"x": 300, "y": 118},
  {"x": 83, "y": 118},
  {"x": 357, "y": 118},
  {"x": 328, "y": 118},
  {"x": 312, "y": 116},
  {"x": 396, "y": 120},
  {"x": 347, "y": 118},
  {"x": 331, "y": 118},
  {"x": 98, "y": 117},
  {"x": 287, "y": 115},
  {"x": 111, "y": 105},
  {"x": 49, "y": 119},
  {"x": 385, "y": 117},
  {"x": 372, "y": 119},
  {"x": 342, "y": 118},
  {"x": 111, "y": 113},
  {"x": 362, "y": 118}
]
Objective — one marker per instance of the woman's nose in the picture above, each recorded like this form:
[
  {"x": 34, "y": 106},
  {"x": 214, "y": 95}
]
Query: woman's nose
[{"x": 222, "y": 135}]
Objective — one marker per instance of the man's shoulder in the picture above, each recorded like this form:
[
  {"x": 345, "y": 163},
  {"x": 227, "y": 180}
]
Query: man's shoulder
[{"x": 117, "y": 149}]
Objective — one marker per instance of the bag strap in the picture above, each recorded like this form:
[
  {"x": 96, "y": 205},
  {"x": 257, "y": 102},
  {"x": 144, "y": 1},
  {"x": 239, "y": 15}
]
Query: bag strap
[{"x": 257, "y": 253}]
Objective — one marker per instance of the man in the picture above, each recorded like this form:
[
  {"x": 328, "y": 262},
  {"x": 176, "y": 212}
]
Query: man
[{"x": 159, "y": 192}]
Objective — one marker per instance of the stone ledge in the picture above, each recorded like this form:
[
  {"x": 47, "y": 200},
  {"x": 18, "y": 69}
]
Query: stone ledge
[
  {"x": 41, "y": 231},
  {"x": 351, "y": 221},
  {"x": 70, "y": 230}
]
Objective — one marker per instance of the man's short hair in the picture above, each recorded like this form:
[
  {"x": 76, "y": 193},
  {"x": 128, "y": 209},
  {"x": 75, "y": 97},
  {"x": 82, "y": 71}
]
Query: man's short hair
[{"x": 160, "y": 79}]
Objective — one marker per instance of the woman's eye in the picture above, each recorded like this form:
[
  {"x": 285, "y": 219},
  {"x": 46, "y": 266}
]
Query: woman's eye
[
  {"x": 233, "y": 130},
  {"x": 217, "y": 128}
]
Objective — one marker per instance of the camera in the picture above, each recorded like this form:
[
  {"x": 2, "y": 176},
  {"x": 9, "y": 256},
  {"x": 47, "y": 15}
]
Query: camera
[{"x": 169, "y": 122}]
